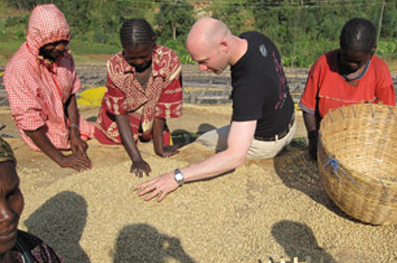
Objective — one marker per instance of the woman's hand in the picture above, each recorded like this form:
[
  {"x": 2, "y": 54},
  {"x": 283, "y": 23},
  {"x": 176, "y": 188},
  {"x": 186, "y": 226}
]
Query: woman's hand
[
  {"x": 168, "y": 151},
  {"x": 140, "y": 167},
  {"x": 75, "y": 161},
  {"x": 77, "y": 145}
]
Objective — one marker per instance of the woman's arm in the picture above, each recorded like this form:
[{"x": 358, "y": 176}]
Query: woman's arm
[
  {"x": 76, "y": 143},
  {"x": 158, "y": 132},
  {"x": 74, "y": 161},
  {"x": 139, "y": 166}
]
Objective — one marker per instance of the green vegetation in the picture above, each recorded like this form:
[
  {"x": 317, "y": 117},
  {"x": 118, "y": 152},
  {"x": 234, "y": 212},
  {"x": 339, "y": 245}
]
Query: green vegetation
[
  {"x": 81, "y": 47},
  {"x": 8, "y": 48},
  {"x": 302, "y": 29}
]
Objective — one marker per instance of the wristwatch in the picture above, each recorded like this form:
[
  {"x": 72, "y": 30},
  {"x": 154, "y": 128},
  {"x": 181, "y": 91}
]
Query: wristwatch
[{"x": 178, "y": 176}]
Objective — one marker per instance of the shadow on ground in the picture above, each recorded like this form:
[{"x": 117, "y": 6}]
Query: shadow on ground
[
  {"x": 298, "y": 240},
  {"x": 183, "y": 137},
  {"x": 143, "y": 243},
  {"x": 60, "y": 222},
  {"x": 297, "y": 169}
]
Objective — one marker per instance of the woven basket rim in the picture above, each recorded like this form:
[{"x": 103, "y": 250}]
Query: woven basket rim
[
  {"x": 382, "y": 181},
  {"x": 368, "y": 195},
  {"x": 361, "y": 175}
]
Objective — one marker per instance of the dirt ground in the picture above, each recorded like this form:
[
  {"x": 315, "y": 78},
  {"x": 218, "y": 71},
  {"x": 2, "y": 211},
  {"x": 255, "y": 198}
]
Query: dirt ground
[{"x": 270, "y": 208}]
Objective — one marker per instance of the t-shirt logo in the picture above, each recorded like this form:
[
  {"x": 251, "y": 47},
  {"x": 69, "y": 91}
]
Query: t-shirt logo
[{"x": 263, "y": 50}]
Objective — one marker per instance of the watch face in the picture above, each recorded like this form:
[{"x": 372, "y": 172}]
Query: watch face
[{"x": 178, "y": 176}]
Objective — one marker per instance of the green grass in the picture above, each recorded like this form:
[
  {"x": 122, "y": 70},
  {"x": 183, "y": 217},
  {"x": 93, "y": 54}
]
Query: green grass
[
  {"x": 84, "y": 51},
  {"x": 8, "y": 48},
  {"x": 391, "y": 61},
  {"x": 80, "y": 47}
]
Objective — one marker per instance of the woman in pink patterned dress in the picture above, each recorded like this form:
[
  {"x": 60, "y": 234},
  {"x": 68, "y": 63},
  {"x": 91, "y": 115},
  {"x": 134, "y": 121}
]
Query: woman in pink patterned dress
[{"x": 41, "y": 81}]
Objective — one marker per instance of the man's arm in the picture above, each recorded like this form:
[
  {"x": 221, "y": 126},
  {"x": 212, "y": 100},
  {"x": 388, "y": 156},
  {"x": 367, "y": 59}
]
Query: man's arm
[
  {"x": 139, "y": 166},
  {"x": 311, "y": 124},
  {"x": 239, "y": 141},
  {"x": 73, "y": 161},
  {"x": 384, "y": 89}
]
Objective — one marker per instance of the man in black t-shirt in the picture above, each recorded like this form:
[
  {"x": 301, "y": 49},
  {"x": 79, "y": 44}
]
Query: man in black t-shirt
[{"x": 263, "y": 120}]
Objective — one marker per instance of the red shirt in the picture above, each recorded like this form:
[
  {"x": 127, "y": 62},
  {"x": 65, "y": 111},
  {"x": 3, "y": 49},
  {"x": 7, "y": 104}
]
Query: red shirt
[
  {"x": 162, "y": 97},
  {"x": 326, "y": 89}
]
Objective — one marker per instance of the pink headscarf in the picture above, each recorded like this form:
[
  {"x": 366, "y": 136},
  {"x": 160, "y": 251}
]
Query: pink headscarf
[{"x": 47, "y": 24}]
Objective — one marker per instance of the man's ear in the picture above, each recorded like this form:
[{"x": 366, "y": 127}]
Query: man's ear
[{"x": 225, "y": 45}]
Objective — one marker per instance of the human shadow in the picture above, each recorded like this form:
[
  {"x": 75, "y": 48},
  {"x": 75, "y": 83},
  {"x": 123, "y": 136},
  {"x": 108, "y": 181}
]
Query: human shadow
[
  {"x": 92, "y": 119},
  {"x": 60, "y": 222},
  {"x": 297, "y": 169},
  {"x": 183, "y": 137},
  {"x": 205, "y": 127},
  {"x": 298, "y": 240},
  {"x": 143, "y": 243}
]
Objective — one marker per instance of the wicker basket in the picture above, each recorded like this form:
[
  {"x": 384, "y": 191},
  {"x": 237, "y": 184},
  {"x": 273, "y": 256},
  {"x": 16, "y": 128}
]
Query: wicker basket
[{"x": 357, "y": 161}]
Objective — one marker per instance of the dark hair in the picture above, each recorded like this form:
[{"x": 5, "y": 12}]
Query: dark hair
[
  {"x": 358, "y": 34},
  {"x": 135, "y": 32}
]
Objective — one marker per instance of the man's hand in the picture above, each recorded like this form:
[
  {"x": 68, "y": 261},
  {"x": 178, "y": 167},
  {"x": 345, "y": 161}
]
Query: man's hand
[
  {"x": 160, "y": 186},
  {"x": 168, "y": 151},
  {"x": 76, "y": 161},
  {"x": 140, "y": 167}
]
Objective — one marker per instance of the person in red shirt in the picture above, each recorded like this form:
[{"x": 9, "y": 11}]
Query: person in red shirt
[
  {"x": 144, "y": 88},
  {"x": 345, "y": 76}
]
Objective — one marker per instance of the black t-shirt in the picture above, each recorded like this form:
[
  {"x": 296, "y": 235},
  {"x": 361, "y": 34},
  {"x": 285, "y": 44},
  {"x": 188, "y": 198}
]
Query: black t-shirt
[{"x": 260, "y": 89}]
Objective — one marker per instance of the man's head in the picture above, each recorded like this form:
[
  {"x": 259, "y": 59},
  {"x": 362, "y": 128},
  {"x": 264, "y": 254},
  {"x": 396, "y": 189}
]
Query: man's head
[
  {"x": 357, "y": 43},
  {"x": 138, "y": 40},
  {"x": 208, "y": 43}
]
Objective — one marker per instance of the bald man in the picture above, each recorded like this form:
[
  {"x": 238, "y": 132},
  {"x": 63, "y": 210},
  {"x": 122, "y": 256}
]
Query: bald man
[{"x": 263, "y": 120}]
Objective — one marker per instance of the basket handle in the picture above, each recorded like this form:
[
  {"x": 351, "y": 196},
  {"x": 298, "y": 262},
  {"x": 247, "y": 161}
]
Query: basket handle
[
  {"x": 392, "y": 112},
  {"x": 384, "y": 186},
  {"x": 335, "y": 165}
]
